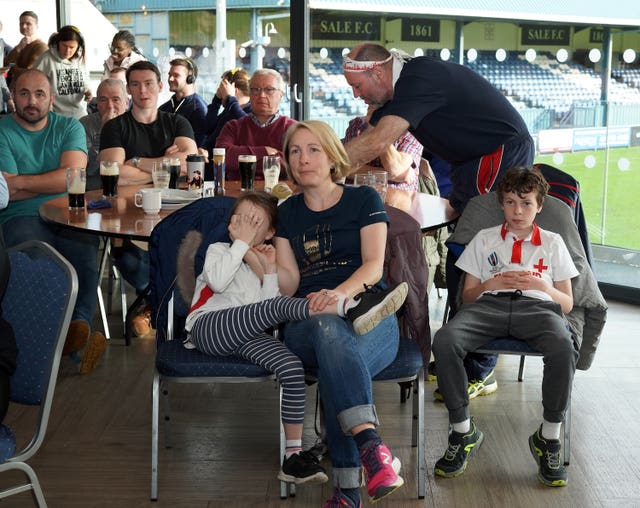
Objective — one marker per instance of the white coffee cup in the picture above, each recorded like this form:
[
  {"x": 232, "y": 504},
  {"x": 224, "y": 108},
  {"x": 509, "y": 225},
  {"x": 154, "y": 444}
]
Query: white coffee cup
[{"x": 150, "y": 200}]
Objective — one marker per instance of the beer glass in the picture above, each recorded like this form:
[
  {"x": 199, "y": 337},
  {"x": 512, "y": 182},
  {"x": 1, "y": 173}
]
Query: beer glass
[
  {"x": 271, "y": 171},
  {"x": 109, "y": 173},
  {"x": 174, "y": 172},
  {"x": 247, "y": 167},
  {"x": 76, "y": 186},
  {"x": 218, "y": 171},
  {"x": 375, "y": 179},
  {"x": 160, "y": 176}
]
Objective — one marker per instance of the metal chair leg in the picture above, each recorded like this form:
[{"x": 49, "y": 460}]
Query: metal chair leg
[
  {"x": 155, "y": 409},
  {"x": 101, "y": 306},
  {"x": 521, "y": 369},
  {"x": 567, "y": 436}
]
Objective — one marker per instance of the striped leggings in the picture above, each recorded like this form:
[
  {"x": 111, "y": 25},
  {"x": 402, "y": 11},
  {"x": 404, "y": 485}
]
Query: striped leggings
[{"x": 240, "y": 331}]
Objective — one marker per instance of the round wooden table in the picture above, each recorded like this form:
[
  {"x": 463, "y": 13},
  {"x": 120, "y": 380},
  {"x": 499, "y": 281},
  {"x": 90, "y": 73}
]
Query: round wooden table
[
  {"x": 431, "y": 212},
  {"x": 125, "y": 220}
]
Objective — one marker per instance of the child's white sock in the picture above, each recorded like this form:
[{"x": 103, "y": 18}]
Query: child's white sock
[
  {"x": 551, "y": 430},
  {"x": 462, "y": 427},
  {"x": 344, "y": 304},
  {"x": 292, "y": 446}
]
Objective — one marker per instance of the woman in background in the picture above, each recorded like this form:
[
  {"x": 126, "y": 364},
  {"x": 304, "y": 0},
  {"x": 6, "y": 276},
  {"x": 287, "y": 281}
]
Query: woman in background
[
  {"x": 64, "y": 63},
  {"x": 233, "y": 95},
  {"x": 123, "y": 52}
]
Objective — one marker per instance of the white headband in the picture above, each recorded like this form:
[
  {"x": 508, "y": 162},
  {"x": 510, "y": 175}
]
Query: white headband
[{"x": 362, "y": 66}]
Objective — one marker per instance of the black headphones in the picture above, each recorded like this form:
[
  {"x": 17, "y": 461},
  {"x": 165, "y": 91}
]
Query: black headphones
[{"x": 191, "y": 77}]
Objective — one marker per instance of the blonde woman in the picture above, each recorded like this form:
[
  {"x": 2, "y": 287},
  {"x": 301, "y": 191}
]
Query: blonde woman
[{"x": 330, "y": 242}]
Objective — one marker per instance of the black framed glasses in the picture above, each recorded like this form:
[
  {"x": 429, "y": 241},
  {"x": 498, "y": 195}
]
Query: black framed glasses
[{"x": 269, "y": 90}]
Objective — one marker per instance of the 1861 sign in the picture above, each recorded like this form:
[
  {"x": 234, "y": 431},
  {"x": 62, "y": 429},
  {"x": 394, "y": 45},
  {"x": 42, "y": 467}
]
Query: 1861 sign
[
  {"x": 327, "y": 26},
  {"x": 596, "y": 35},
  {"x": 545, "y": 35},
  {"x": 426, "y": 30}
]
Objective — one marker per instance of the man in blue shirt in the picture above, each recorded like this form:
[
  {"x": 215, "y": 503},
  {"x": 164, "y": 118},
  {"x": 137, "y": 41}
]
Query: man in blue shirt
[
  {"x": 36, "y": 145},
  {"x": 185, "y": 101},
  {"x": 458, "y": 116},
  {"x": 454, "y": 112}
]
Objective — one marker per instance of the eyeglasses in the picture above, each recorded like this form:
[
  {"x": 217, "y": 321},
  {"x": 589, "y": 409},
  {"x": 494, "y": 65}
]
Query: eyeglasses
[
  {"x": 113, "y": 49},
  {"x": 267, "y": 91}
]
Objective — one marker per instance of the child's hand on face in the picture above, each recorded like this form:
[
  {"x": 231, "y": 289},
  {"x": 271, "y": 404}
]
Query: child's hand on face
[
  {"x": 245, "y": 227},
  {"x": 267, "y": 256}
]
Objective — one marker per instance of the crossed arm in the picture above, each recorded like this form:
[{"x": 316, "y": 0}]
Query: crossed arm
[
  {"x": 52, "y": 182},
  {"x": 132, "y": 175}
]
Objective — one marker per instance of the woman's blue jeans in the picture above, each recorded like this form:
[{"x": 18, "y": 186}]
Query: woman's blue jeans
[{"x": 344, "y": 364}]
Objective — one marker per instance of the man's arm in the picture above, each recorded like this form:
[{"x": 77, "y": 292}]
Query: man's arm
[
  {"x": 399, "y": 165},
  {"x": 140, "y": 175},
  {"x": 183, "y": 147},
  {"x": 51, "y": 182},
  {"x": 374, "y": 141}
]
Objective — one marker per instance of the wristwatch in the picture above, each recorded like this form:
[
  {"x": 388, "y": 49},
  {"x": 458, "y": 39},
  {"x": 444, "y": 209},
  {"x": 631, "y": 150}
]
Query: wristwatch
[{"x": 135, "y": 161}]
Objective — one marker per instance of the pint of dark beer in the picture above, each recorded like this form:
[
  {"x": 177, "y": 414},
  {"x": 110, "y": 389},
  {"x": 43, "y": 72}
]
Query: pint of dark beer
[
  {"x": 76, "y": 185},
  {"x": 247, "y": 168},
  {"x": 109, "y": 174},
  {"x": 174, "y": 172}
]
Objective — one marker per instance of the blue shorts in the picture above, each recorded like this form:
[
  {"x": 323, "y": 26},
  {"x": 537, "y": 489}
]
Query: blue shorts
[{"x": 481, "y": 175}]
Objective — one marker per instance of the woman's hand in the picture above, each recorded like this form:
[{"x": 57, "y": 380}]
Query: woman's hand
[
  {"x": 225, "y": 89},
  {"x": 245, "y": 227}
]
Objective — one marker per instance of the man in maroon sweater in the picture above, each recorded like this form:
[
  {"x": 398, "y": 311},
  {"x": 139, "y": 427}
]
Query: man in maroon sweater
[{"x": 261, "y": 132}]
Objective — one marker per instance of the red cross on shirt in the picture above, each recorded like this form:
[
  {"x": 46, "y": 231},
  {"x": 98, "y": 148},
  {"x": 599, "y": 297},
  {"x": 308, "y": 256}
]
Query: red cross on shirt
[{"x": 541, "y": 266}]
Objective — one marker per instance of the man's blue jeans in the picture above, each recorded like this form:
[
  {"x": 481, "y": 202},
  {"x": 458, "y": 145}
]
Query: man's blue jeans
[
  {"x": 133, "y": 264},
  {"x": 80, "y": 249},
  {"x": 344, "y": 364}
]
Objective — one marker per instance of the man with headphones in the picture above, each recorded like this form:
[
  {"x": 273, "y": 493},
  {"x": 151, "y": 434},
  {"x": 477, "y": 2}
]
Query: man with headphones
[{"x": 185, "y": 101}]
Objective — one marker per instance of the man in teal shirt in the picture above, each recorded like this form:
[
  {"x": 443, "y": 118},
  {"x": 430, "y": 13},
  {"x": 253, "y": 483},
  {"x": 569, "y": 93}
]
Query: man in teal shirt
[
  {"x": 4, "y": 192},
  {"x": 36, "y": 146}
]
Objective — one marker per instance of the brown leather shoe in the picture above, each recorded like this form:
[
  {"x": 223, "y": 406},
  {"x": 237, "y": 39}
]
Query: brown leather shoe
[
  {"x": 94, "y": 351},
  {"x": 77, "y": 336},
  {"x": 141, "y": 323}
]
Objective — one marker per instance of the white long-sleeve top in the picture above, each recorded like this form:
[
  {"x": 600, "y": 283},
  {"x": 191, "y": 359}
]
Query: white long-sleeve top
[{"x": 227, "y": 281}]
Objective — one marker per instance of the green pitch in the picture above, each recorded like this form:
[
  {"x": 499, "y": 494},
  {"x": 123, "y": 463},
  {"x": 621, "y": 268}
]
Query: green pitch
[{"x": 609, "y": 190}]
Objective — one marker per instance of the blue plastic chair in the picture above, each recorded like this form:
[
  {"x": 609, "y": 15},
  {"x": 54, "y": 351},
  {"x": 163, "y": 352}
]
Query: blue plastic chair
[
  {"x": 175, "y": 363},
  {"x": 408, "y": 368},
  {"x": 42, "y": 292}
]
